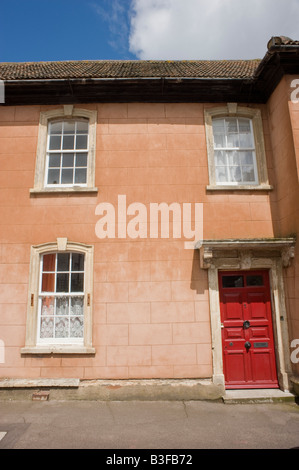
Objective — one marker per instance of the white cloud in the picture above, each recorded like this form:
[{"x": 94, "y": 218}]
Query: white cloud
[
  {"x": 115, "y": 14},
  {"x": 209, "y": 29}
]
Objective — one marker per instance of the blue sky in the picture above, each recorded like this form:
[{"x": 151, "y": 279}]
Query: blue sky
[
  {"x": 34, "y": 30},
  {"x": 49, "y": 30}
]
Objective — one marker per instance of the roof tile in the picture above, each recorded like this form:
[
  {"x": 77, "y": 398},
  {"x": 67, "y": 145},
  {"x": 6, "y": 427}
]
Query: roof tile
[{"x": 128, "y": 69}]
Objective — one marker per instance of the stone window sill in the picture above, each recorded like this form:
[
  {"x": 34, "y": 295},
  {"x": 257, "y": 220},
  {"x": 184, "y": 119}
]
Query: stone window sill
[
  {"x": 71, "y": 190},
  {"x": 264, "y": 187},
  {"x": 58, "y": 349}
]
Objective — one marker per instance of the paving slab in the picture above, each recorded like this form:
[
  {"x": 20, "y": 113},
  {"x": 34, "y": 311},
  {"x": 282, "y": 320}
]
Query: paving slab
[{"x": 153, "y": 425}]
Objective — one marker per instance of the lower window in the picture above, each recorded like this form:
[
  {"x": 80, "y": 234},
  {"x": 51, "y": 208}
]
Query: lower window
[
  {"x": 61, "y": 298},
  {"x": 60, "y": 291}
]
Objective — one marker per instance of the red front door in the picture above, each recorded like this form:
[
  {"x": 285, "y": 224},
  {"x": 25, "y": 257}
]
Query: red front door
[{"x": 247, "y": 332}]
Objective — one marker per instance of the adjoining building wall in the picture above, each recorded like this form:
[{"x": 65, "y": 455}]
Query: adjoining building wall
[{"x": 284, "y": 130}]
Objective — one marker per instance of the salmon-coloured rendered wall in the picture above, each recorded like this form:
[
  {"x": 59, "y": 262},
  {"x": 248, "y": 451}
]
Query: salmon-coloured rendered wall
[
  {"x": 151, "y": 306},
  {"x": 284, "y": 124}
]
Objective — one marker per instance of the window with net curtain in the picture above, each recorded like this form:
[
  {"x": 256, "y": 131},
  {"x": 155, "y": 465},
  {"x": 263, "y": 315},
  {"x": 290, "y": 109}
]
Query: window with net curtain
[
  {"x": 61, "y": 298},
  {"x": 234, "y": 151},
  {"x": 67, "y": 153}
]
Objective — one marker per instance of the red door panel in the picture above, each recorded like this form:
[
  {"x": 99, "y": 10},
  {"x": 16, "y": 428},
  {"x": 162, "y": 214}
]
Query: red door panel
[
  {"x": 235, "y": 367},
  {"x": 247, "y": 333}
]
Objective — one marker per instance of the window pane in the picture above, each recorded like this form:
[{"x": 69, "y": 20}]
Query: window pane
[
  {"x": 76, "y": 327},
  {"x": 80, "y": 176},
  {"x": 62, "y": 282},
  {"x": 221, "y": 174},
  {"x": 233, "y": 158},
  {"x": 54, "y": 160},
  {"x": 220, "y": 158},
  {"x": 246, "y": 158},
  {"x": 68, "y": 160},
  {"x": 244, "y": 125},
  {"x": 61, "y": 327},
  {"x": 219, "y": 141},
  {"x": 77, "y": 281},
  {"x": 246, "y": 141},
  {"x": 232, "y": 281},
  {"x": 49, "y": 262},
  {"x": 232, "y": 140},
  {"x": 235, "y": 174},
  {"x": 63, "y": 262},
  {"x": 77, "y": 262},
  {"x": 69, "y": 127},
  {"x": 62, "y": 306},
  {"x": 81, "y": 159},
  {"x": 46, "y": 327},
  {"x": 68, "y": 142},
  {"x": 231, "y": 125},
  {"x": 77, "y": 304},
  {"x": 56, "y": 127},
  {"x": 248, "y": 173},
  {"x": 67, "y": 176},
  {"x": 53, "y": 177},
  {"x": 82, "y": 127},
  {"x": 47, "y": 306},
  {"x": 81, "y": 142},
  {"x": 48, "y": 282},
  {"x": 256, "y": 280},
  {"x": 55, "y": 142},
  {"x": 218, "y": 126}
]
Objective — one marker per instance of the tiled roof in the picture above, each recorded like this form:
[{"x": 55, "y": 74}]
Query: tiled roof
[
  {"x": 80, "y": 69},
  {"x": 282, "y": 41},
  {"x": 128, "y": 69}
]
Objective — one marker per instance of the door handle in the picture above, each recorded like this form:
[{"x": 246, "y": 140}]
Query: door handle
[{"x": 247, "y": 345}]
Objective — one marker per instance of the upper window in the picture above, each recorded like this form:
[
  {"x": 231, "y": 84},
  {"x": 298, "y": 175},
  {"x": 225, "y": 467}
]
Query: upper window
[
  {"x": 67, "y": 153},
  {"x": 234, "y": 151},
  {"x": 65, "y": 158},
  {"x": 235, "y": 147}
]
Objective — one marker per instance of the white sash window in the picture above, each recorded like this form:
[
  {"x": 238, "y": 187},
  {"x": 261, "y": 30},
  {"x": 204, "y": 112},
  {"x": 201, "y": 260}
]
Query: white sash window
[
  {"x": 234, "y": 151},
  {"x": 61, "y": 298},
  {"x": 67, "y": 153}
]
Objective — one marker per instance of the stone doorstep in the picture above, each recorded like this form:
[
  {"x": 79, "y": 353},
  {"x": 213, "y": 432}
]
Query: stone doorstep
[{"x": 257, "y": 396}]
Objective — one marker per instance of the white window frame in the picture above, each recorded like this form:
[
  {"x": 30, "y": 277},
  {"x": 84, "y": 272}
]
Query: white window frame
[
  {"x": 254, "y": 115},
  {"x": 32, "y": 343},
  {"x": 64, "y": 152},
  {"x": 238, "y": 149},
  {"x": 67, "y": 112}
]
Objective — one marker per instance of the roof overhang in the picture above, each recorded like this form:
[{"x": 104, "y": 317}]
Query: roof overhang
[
  {"x": 281, "y": 59},
  {"x": 120, "y": 90}
]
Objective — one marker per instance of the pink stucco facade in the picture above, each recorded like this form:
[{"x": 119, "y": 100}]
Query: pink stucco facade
[{"x": 151, "y": 310}]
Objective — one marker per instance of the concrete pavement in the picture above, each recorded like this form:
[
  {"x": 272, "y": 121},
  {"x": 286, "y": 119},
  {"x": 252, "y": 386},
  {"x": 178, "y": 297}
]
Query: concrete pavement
[{"x": 148, "y": 425}]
